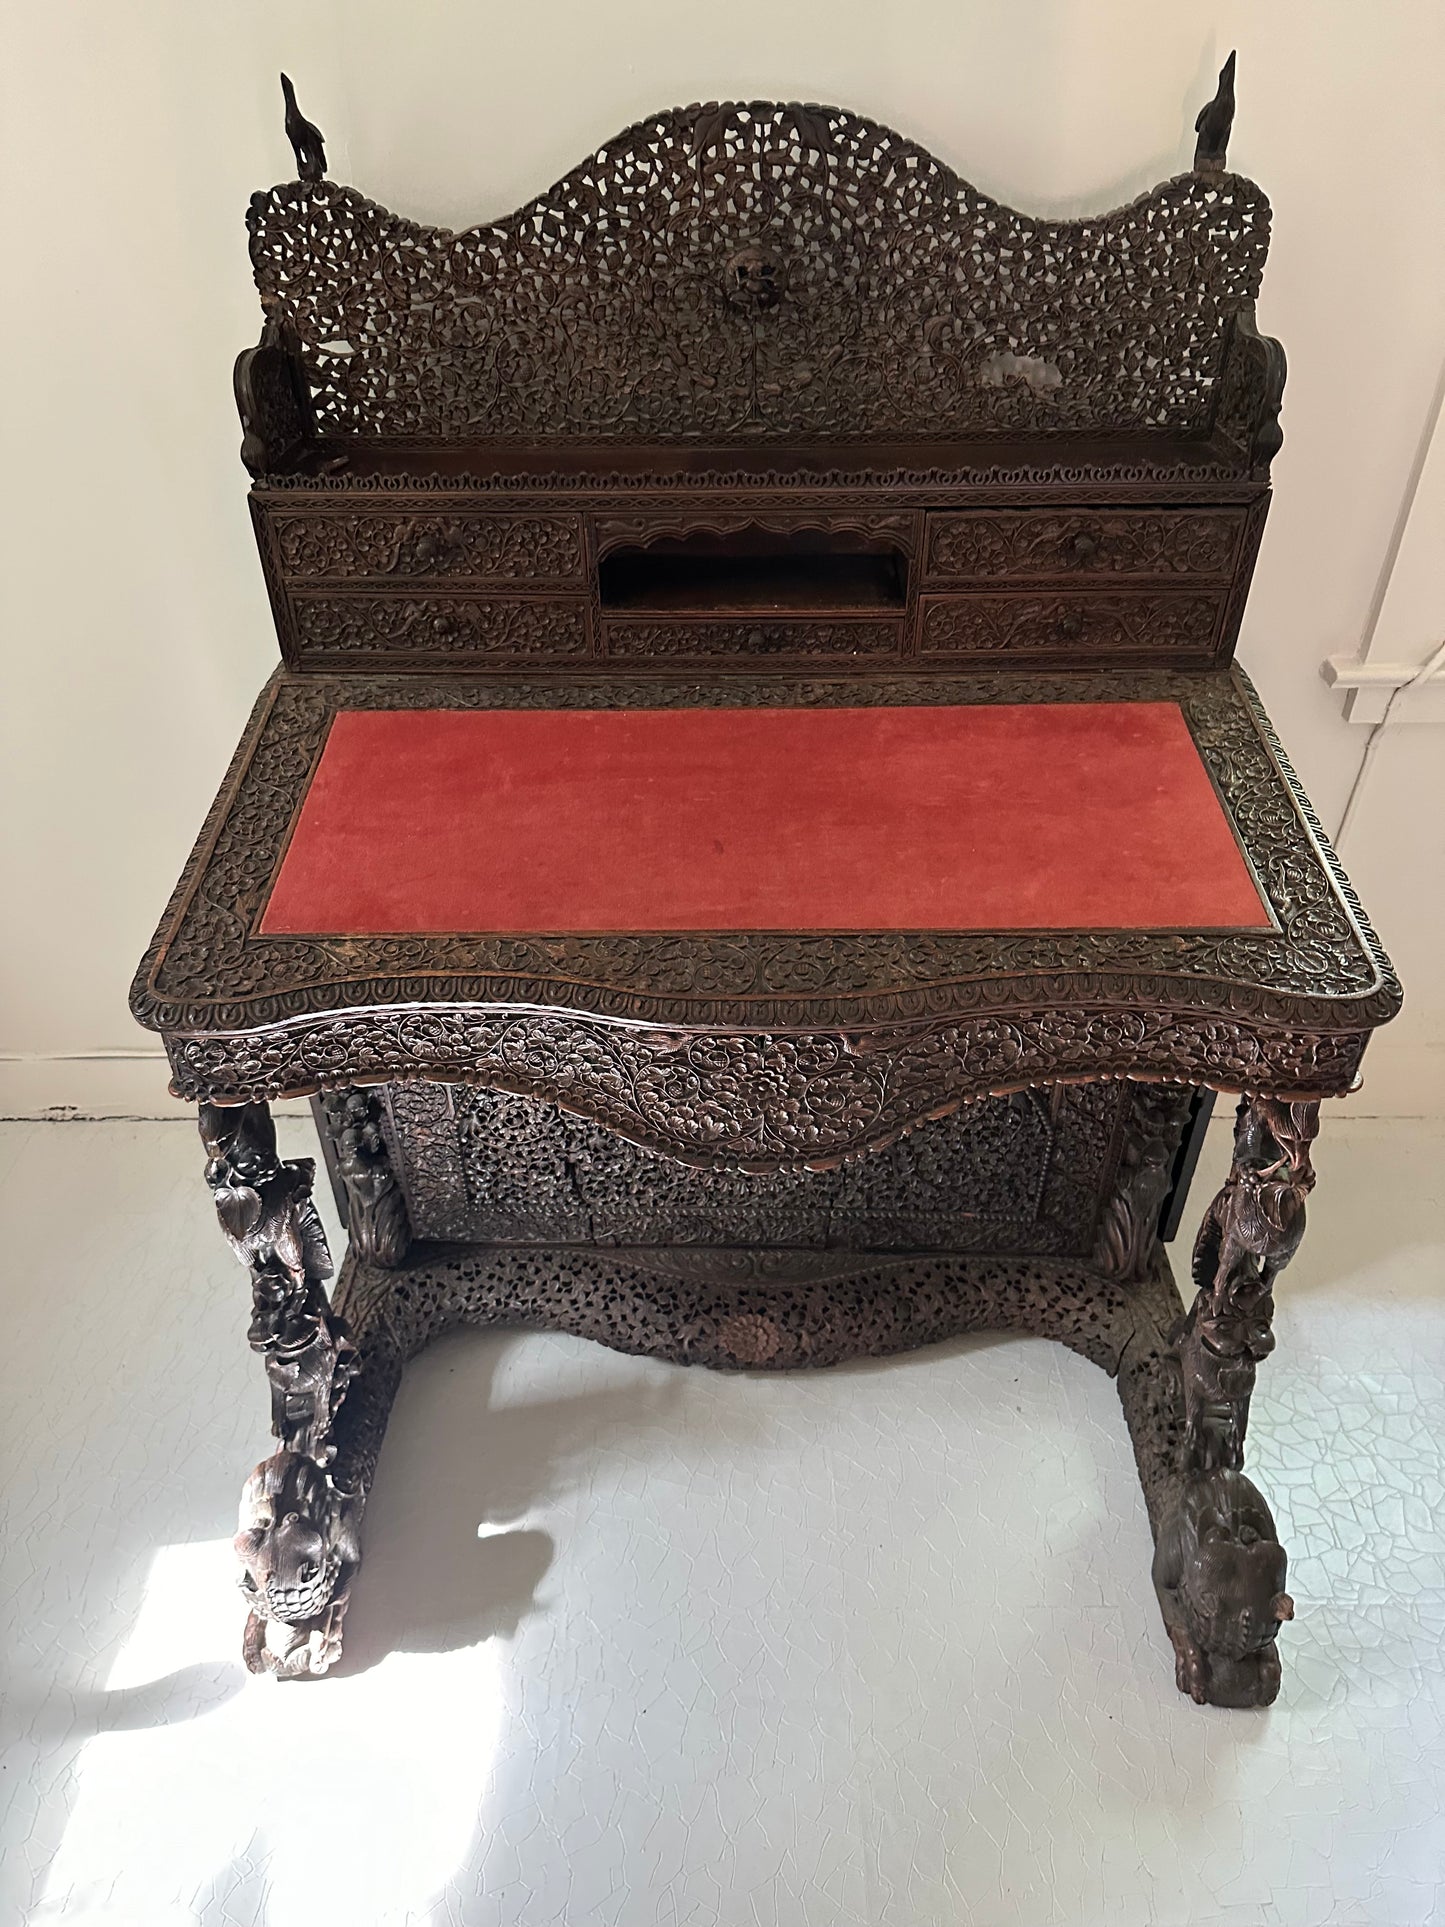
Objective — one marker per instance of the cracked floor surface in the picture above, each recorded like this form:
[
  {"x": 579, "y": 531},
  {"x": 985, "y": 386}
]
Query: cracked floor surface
[{"x": 640, "y": 1645}]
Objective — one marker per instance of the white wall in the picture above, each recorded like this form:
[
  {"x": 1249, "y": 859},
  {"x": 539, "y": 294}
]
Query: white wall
[{"x": 136, "y": 630}]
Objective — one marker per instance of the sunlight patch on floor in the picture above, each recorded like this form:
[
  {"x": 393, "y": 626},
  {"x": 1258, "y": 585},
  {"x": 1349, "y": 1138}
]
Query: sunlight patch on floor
[{"x": 312, "y": 1798}]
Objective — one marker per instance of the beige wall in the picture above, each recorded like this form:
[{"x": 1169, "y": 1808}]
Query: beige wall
[{"x": 136, "y": 630}]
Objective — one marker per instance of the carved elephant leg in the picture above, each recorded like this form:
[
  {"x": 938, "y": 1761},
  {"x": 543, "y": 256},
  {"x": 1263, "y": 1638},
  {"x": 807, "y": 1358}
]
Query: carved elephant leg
[
  {"x": 1218, "y": 1567},
  {"x": 297, "y": 1540}
]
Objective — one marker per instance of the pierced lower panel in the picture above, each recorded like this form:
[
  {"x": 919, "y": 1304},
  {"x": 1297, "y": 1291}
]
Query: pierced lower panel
[{"x": 1025, "y": 1174}]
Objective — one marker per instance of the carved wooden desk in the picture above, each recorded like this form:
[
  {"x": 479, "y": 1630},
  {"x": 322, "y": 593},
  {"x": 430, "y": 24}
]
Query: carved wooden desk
[{"x": 758, "y": 847}]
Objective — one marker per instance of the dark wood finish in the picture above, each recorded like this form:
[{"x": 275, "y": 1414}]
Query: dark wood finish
[
  {"x": 1218, "y": 1567},
  {"x": 1287, "y": 1010},
  {"x": 297, "y": 1541},
  {"x": 1026, "y": 1175},
  {"x": 783, "y": 309},
  {"x": 377, "y": 1224},
  {"x": 1201, "y": 1111},
  {"x": 1215, "y": 120},
  {"x": 763, "y": 405},
  {"x": 305, "y": 138},
  {"x": 423, "y": 589}
]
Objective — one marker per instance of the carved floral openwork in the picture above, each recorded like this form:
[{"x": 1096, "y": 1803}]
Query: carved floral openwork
[
  {"x": 757, "y": 270},
  {"x": 1023, "y": 1173},
  {"x": 755, "y": 1102}
]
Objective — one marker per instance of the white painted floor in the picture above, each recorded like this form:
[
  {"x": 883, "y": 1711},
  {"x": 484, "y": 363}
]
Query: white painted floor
[{"x": 638, "y": 1645}]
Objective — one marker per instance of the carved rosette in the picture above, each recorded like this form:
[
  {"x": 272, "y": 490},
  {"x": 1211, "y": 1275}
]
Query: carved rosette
[
  {"x": 297, "y": 1535},
  {"x": 1219, "y": 1568}
]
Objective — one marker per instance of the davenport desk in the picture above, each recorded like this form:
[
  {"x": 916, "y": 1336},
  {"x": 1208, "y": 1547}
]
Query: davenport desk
[{"x": 758, "y": 848}]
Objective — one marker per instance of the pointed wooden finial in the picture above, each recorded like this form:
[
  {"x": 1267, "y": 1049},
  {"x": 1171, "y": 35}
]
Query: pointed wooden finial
[
  {"x": 1214, "y": 123},
  {"x": 305, "y": 139}
]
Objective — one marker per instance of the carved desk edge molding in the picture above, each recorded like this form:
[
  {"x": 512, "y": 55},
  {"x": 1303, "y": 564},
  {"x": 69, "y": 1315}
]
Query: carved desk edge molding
[
  {"x": 757, "y": 1103},
  {"x": 1286, "y": 1009}
]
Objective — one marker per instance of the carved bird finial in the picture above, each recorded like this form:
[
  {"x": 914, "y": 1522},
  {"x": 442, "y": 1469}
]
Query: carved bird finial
[
  {"x": 1213, "y": 125},
  {"x": 305, "y": 139}
]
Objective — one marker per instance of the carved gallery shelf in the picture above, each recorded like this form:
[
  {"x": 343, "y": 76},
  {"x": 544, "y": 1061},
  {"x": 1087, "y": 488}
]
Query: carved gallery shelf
[{"x": 758, "y": 848}]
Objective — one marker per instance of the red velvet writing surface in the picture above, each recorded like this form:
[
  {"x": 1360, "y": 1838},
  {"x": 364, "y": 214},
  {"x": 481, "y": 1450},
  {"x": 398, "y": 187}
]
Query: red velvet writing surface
[{"x": 1025, "y": 816}]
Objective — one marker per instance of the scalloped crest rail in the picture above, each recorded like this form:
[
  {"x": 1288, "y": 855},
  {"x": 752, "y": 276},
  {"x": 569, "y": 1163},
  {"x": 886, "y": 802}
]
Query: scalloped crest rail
[
  {"x": 762, "y": 406},
  {"x": 759, "y": 270}
]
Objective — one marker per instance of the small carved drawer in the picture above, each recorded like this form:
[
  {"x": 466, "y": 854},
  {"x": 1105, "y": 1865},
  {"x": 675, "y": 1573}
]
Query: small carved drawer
[
  {"x": 1091, "y": 625},
  {"x": 1050, "y": 544},
  {"x": 383, "y": 546},
  {"x": 748, "y": 640},
  {"x": 331, "y": 629}
]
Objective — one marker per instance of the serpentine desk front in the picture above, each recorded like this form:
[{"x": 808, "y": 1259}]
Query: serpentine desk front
[{"x": 744, "y": 885}]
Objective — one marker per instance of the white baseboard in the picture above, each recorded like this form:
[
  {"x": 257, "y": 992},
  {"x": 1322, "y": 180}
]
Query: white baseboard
[
  {"x": 65, "y": 1087},
  {"x": 1404, "y": 1076}
]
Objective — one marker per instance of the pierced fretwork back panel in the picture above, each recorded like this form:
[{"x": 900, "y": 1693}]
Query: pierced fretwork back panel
[{"x": 762, "y": 271}]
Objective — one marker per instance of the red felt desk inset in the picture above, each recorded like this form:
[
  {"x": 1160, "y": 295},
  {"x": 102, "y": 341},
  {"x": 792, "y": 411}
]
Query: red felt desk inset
[{"x": 1023, "y": 816}]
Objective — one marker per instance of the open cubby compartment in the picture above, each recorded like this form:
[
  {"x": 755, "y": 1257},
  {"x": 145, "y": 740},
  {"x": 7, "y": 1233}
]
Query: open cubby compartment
[{"x": 706, "y": 572}]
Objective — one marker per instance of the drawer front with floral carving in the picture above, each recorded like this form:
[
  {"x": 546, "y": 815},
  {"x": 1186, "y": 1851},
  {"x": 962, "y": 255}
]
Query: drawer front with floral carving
[
  {"x": 745, "y": 641},
  {"x": 439, "y": 629},
  {"x": 1042, "y": 544},
  {"x": 387, "y": 546},
  {"x": 1090, "y": 625}
]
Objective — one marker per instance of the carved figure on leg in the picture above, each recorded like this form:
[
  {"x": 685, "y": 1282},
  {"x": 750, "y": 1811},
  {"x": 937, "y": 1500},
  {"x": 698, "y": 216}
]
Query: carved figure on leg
[
  {"x": 291, "y": 1508},
  {"x": 309, "y": 1358},
  {"x": 1127, "y": 1244},
  {"x": 263, "y": 1202},
  {"x": 1250, "y": 1232},
  {"x": 1220, "y": 1351},
  {"x": 377, "y": 1221}
]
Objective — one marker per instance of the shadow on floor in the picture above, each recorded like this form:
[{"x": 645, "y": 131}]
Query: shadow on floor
[{"x": 444, "y": 1565}]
